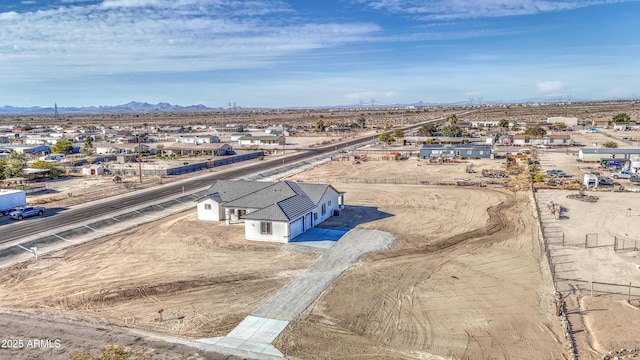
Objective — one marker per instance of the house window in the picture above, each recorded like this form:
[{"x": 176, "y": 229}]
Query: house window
[
  {"x": 324, "y": 209},
  {"x": 207, "y": 206},
  {"x": 481, "y": 152},
  {"x": 315, "y": 216},
  {"x": 265, "y": 228},
  {"x": 329, "y": 202}
]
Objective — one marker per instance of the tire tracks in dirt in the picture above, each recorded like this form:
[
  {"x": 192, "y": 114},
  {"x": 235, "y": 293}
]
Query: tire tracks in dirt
[{"x": 497, "y": 224}]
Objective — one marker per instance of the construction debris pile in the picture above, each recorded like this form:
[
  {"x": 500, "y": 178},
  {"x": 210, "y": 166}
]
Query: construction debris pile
[
  {"x": 582, "y": 197},
  {"x": 494, "y": 174}
]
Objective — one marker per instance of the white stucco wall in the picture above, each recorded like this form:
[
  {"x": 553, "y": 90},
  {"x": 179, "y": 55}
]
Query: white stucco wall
[
  {"x": 279, "y": 231},
  {"x": 215, "y": 214},
  {"x": 329, "y": 195}
]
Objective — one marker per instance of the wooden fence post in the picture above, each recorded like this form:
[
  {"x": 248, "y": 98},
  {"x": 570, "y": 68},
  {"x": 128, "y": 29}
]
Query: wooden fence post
[{"x": 629, "y": 291}]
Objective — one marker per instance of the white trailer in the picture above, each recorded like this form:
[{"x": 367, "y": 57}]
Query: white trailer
[{"x": 11, "y": 199}]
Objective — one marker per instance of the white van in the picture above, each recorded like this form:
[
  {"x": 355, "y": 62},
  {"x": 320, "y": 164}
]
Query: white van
[{"x": 53, "y": 157}]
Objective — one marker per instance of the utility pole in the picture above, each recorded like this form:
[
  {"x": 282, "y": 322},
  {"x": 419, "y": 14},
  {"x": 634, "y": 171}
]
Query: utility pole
[{"x": 139, "y": 158}]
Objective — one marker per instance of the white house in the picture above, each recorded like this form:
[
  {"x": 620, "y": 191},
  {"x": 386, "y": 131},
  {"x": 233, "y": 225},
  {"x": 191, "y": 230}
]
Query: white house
[
  {"x": 262, "y": 140},
  {"x": 270, "y": 211},
  {"x": 40, "y": 140},
  {"x": 103, "y": 149},
  {"x": 197, "y": 139},
  {"x": 548, "y": 140}
]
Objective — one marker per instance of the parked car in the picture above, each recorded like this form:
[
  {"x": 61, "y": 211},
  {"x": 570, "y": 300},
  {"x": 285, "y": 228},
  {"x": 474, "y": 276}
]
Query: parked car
[
  {"x": 25, "y": 212},
  {"x": 556, "y": 173},
  {"x": 635, "y": 178},
  {"x": 621, "y": 175},
  {"x": 605, "y": 181}
]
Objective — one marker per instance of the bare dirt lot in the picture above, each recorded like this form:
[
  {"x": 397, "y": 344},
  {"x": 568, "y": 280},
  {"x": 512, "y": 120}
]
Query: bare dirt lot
[
  {"x": 464, "y": 279},
  {"x": 204, "y": 276}
]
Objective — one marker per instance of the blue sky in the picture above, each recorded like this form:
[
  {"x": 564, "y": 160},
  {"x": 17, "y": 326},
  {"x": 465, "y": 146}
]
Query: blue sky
[{"x": 278, "y": 53}]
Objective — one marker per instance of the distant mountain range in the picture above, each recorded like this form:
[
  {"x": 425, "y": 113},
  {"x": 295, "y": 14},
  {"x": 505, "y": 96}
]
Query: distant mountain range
[{"x": 133, "y": 106}]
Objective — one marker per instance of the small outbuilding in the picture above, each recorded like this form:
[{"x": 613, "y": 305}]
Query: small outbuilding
[
  {"x": 590, "y": 181},
  {"x": 93, "y": 170}
]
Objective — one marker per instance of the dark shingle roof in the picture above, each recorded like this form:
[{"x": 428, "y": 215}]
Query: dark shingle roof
[
  {"x": 274, "y": 201},
  {"x": 229, "y": 190}
]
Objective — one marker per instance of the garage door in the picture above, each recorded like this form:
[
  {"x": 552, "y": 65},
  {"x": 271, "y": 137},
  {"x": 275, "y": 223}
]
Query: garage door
[{"x": 297, "y": 227}]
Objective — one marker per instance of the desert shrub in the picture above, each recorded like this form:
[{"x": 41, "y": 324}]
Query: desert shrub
[{"x": 112, "y": 352}]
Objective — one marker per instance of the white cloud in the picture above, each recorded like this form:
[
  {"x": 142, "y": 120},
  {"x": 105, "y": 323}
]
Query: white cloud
[
  {"x": 445, "y": 10},
  {"x": 124, "y": 36},
  {"x": 11, "y": 15},
  {"x": 550, "y": 86}
]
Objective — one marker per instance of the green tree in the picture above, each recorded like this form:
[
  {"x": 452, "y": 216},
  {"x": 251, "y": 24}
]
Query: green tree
[
  {"x": 160, "y": 149},
  {"x": 62, "y": 146},
  {"x": 386, "y": 138},
  {"x": 16, "y": 155},
  {"x": 610, "y": 144},
  {"x": 561, "y": 125},
  {"x": 398, "y": 134},
  {"x": 452, "y": 119},
  {"x": 430, "y": 129},
  {"x": 452, "y": 131},
  {"x": 11, "y": 168},
  {"x": 320, "y": 125},
  {"x": 535, "y": 131},
  {"x": 538, "y": 178},
  {"x": 88, "y": 145},
  {"x": 622, "y": 117},
  {"x": 504, "y": 124},
  {"x": 54, "y": 170}
]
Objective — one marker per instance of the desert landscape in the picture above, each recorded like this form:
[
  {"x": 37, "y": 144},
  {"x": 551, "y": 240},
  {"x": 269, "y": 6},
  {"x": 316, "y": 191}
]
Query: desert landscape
[
  {"x": 306, "y": 180},
  {"x": 464, "y": 263},
  {"x": 467, "y": 276}
]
